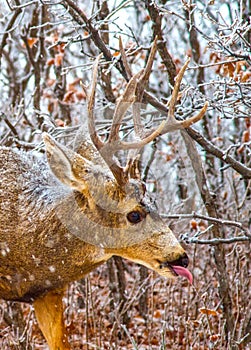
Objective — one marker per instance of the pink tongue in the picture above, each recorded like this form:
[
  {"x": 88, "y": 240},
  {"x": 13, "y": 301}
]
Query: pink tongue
[{"x": 182, "y": 271}]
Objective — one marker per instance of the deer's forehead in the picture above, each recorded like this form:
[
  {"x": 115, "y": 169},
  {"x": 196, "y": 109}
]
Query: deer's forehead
[
  {"x": 132, "y": 192},
  {"x": 130, "y": 197}
]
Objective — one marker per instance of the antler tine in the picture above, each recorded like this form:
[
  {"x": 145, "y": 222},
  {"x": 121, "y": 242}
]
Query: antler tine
[
  {"x": 170, "y": 124},
  {"x": 132, "y": 165},
  {"x": 105, "y": 149},
  {"x": 124, "y": 59},
  {"x": 176, "y": 88},
  {"x": 125, "y": 101},
  {"x": 138, "y": 126},
  {"x": 188, "y": 122},
  {"x": 147, "y": 70},
  {"x": 91, "y": 102},
  {"x": 134, "y": 91}
]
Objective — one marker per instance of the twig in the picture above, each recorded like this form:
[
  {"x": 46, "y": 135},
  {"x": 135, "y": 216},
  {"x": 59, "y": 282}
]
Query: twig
[
  {"x": 8, "y": 28},
  {"x": 81, "y": 18},
  {"x": 194, "y": 215},
  {"x": 217, "y": 241},
  {"x": 156, "y": 18}
]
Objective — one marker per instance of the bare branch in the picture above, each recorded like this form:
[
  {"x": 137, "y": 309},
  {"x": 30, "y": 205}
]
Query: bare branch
[
  {"x": 81, "y": 18},
  {"x": 195, "y": 215},
  {"x": 9, "y": 27},
  {"x": 218, "y": 241},
  {"x": 226, "y": 158},
  {"x": 156, "y": 18},
  {"x": 91, "y": 102}
]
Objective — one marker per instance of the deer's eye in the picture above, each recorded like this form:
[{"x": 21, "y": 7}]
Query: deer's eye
[{"x": 135, "y": 216}]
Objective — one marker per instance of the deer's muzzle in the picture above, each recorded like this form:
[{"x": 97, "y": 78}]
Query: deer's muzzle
[{"x": 179, "y": 267}]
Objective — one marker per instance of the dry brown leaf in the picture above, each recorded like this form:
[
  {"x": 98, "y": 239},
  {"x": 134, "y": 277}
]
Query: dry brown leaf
[
  {"x": 31, "y": 41},
  {"x": 50, "y": 61},
  {"x": 206, "y": 311},
  {"x": 59, "y": 59}
]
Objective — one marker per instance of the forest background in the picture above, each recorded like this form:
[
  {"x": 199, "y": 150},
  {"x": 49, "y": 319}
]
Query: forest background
[{"x": 200, "y": 178}]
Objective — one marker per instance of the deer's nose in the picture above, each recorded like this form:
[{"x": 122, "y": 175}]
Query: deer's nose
[{"x": 182, "y": 261}]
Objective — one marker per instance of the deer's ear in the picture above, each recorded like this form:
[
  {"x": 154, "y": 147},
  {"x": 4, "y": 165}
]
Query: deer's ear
[{"x": 62, "y": 163}]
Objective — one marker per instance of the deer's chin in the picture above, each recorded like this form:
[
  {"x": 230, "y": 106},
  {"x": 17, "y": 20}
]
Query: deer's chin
[
  {"x": 166, "y": 272},
  {"x": 163, "y": 270}
]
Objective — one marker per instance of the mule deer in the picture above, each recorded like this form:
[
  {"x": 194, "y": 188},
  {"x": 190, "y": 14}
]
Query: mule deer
[{"x": 62, "y": 218}]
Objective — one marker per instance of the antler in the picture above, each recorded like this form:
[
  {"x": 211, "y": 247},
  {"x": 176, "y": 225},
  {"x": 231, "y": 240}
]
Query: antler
[{"x": 133, "y": 96}]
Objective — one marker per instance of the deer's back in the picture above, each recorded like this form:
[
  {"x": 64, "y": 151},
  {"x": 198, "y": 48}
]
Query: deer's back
[{"x": 23, "y": 182}]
